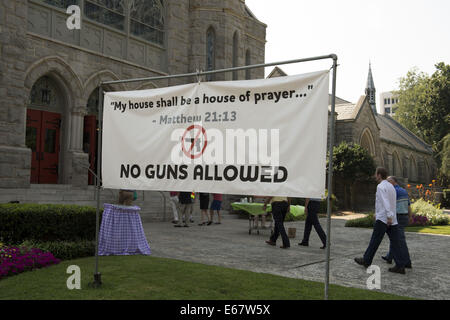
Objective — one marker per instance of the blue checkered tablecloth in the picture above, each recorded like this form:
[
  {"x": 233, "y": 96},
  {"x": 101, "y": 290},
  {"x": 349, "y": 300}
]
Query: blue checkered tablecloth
[{"x": 121, "y": 231}]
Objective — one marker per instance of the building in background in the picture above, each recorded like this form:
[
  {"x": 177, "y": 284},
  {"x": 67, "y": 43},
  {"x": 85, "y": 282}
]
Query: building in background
[
  {"x": 391, "y": 145},
  {"x": 388, "y": 103}
]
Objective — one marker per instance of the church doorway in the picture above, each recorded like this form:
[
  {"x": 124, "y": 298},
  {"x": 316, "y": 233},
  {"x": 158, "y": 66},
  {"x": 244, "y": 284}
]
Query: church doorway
[
  {"x": 90, "y": 134},
  {"x": 42, "y": 137},
  {"x": 43, "y": 131}
]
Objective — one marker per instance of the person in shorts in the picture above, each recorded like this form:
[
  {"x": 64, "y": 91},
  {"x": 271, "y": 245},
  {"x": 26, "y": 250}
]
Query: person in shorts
[{"x": 216, "y": 205}]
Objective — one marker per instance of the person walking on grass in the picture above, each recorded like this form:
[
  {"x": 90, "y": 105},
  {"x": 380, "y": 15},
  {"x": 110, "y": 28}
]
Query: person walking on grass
[
  {"x": 312, "y": 207},
  {"x": 386, "y": 222},
  {"x": 185, "y": 208},
  {"x": 216, "y": 205},
  {"x": 280, "y": 206},
  {"x": 204, "y": 205},
  {"x": 403, "y": 217}
]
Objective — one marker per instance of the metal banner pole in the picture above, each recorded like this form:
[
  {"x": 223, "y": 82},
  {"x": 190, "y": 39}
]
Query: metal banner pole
[
  {"x": 200, "y": 73},
  {"x": 330, "y": 175},
  {"x": 97, "y": 275}
]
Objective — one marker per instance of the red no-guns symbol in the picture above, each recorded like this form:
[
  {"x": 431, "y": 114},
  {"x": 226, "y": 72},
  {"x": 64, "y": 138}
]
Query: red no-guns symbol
[{"x": 192, "y": 147}]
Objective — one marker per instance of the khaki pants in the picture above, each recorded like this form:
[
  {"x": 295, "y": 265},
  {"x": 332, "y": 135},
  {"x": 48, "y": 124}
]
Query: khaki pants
[{"x": 185, "y": 211}]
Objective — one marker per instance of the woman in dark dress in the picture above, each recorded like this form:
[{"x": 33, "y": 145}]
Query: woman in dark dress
[{"x": 204, "y": 205}]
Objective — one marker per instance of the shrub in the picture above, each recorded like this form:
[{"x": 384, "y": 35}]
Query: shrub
[
  {"x": 65, "y": 250},
  {"x": 364, "y": 222},
  {"x": 445, "y": 198},
  {"x": 419, "y": 221},
  {"x": 46, "y": 222},
  {"x": 15, "y": 260},
  {"x": 433, "y": 214},
  {"x": 291, "y": 217}
]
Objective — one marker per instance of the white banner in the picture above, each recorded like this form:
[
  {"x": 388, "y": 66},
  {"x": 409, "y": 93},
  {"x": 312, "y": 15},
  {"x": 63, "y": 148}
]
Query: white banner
[{"x": 254, "y": 137}]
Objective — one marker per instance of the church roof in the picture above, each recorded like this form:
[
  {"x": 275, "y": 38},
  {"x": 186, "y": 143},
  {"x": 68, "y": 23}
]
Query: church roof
[
  {"x": 277, "y": 72},
  {"x": 370, "y": 84},
  {"x": 392, "y": 131}
]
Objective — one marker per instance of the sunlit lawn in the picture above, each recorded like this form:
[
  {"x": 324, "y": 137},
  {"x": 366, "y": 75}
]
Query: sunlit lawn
[
  {"x": 144, "y": 277},
  {"x": 445, "y": 230}
]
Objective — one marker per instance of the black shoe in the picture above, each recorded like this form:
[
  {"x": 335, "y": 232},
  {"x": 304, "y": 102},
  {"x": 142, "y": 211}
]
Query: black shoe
[
  {"x": 303, "y": 244},
  {"x": 385, "y": 258},
  {"x": 397, "y": 270},
  {"x": 284, "y": 247},
  {"x": 270, "y": 242},
  {"x": 361, "y": 261},
  {"x": 175, "y": 221},
  {"x": 202, "y": 224},
  {"x": 209, "y": 223},
  {"x": 408, "y": 266},
  {"x": 178, "y": 226},
  {"x": 186, "y": 226}
]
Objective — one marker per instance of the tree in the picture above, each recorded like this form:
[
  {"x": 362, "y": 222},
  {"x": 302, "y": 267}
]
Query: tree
[
  {"x": 424, "y": 107},
  {"x": 352, "y": 163}
]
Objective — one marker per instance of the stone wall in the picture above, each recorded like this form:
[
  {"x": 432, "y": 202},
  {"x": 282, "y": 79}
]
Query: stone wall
[{"x": 28, "y": 52}]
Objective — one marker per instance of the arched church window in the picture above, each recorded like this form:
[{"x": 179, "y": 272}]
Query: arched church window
[
  {"x": 63, "y": 4},
  {"x": 210, "y": 52},
  {"x": 397, "y": 169},
  {"x": 44, "y": 95},
  {"x": 107, "y": 12},
  {"x": 414, "y": 173},
  {"x": 235, "y": 54},
  {"x": 367, "y": 142},
  {"x": 147, "y": 20}
]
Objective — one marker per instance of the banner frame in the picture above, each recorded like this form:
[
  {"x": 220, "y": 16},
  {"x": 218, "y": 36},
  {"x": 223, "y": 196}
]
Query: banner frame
[{"x": 197, "y": 74}]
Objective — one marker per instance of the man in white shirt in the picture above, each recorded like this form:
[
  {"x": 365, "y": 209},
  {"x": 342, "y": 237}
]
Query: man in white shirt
[{"x": 385, "y": 222}]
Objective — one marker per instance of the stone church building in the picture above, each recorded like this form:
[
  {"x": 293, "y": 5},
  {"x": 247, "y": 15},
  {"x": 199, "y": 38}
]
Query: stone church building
[
  {"x": 49, "y": 75},
  {"x": 392, "y": 146},
  {"x": 49, "y": 78}
]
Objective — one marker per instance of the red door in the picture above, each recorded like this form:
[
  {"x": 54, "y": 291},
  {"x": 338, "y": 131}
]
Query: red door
[
  {"x": 43, "y": 131},
  {"x": 90, "y": 144}
]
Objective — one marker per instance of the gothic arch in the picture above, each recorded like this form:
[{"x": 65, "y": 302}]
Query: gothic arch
[
  {"x": 61, "y": 72},
  {"x": 367, "y": 142},
  {"x": 94, "y": 81},
  {"x": 413, "y": 173},
  {"x": 396, "y": 165},
  {"x": 210, "y": 51},
  {"x": 426, "y": 172}
]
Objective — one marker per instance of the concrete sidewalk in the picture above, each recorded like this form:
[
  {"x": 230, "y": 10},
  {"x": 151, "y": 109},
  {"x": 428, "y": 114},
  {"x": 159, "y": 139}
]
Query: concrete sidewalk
[{"x": 230, "y": 245}]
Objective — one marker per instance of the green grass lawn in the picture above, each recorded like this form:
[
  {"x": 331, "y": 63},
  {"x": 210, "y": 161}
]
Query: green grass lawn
[
  {"x": 144, "y": 277},
  {"x": 445, "y": 230}
]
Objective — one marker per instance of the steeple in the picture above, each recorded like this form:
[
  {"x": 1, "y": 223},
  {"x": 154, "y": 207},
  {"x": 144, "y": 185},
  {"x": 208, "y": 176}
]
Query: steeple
[{"x": 370, "y": 90}]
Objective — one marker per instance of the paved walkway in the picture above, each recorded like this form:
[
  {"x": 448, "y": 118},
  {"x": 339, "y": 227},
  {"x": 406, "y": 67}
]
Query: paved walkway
[{"x": 230, "y": 245}]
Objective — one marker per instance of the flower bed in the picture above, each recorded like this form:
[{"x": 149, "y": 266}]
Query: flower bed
[{"x": 15, "y": 260}]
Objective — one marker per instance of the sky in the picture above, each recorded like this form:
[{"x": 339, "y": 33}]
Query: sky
[{"x": 394, "y": 36}]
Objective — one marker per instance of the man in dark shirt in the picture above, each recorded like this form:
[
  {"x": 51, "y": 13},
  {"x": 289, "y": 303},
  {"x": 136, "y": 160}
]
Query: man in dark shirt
[{"x": 185, "y": 208}]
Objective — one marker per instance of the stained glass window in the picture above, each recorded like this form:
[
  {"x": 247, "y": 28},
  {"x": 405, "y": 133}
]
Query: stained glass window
[
  {"x": 210, "y": 52},
  {"x": 147, "y": 20},
  {"x": 107, "y": 12},
  {"x": 63, "y": 4},
  {"x": 44, "y": 93}
]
